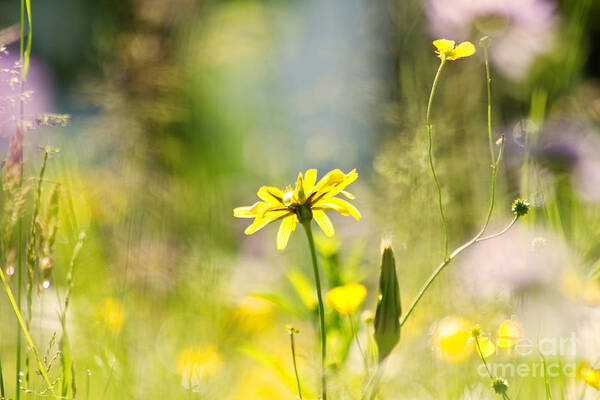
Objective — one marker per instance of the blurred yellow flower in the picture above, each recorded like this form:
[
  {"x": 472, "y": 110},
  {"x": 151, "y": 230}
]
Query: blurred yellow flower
[
  {"x": 509, "y": 333},
  {"x": 447, "y": 51},
  {"x": 253, "y": 313},
  {"x": 591, "y": 292},
  {"x": 346, "y": 299},
  {"x": 450, "y": 339},
  {"x": 196, "y": 363},
  {"x": 111, "y": 314},
  {"x": 307, "y": 201},
  {"x": 485, "y": 345},
  {"x": 589, "y": 375}
]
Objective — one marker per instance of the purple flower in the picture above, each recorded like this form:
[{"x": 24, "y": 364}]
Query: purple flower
[
  {"x": 520, "y": 29},
  {"x": 569, "y": 147}
]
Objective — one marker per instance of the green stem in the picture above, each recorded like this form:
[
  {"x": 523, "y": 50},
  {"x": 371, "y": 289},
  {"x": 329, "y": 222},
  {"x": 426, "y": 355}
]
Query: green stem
[
  {"x": 430, "y": 153},
  {"x": 313, "y": 253},
  {"x": 294, "y": 362},
  {"x": 488, "y": 80},
  {"x": 504, "y": 395},
  {"x": 26, "y": 333},
  {"x": 2, "y": 394}
]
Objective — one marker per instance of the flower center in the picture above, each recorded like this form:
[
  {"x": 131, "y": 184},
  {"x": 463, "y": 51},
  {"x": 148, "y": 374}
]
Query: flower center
[{"x": 288, "y": 198}]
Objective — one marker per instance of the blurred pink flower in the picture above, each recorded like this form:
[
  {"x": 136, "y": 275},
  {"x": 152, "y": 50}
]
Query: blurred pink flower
[
  {"x": 520, "y": 29},
  {"x": 515, "y": 262},
  {"x": 571, "y": 147}
]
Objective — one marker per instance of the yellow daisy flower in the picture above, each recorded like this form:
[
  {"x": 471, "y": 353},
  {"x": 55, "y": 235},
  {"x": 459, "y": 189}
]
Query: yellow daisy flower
[
  {"x": 346, "y": 299},
  {"x": 447, "y": 51},
  {"x": 307, "y": 201}
]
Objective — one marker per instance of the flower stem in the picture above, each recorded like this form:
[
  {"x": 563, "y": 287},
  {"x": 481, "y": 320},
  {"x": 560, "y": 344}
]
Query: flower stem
[
  {"x": 488, "y": 81},
  {"x": 487, "y": 368},
  {"x": 430, "y": 153},
  {"x": 313, "y": 253},
  {"x": 360, "y": 349},
  {"x": 293, "y": 347}
]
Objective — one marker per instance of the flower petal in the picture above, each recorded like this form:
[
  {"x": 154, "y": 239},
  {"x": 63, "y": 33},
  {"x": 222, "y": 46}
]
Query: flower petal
[
  {"x": 310, "y": 177},
  {"x": 285, "y": 230},
  {"x": 346, "y": 299},
  {"x": 262, "y": 221},
  {"x": 336, "y": 204},
  {"x": 444, "y": 45},
  {"x": 465, "y": 49},
  {"x": 250, "y": 211},
  {"x": 324, "y": 222},
  {"x": 271, "y": 195}
]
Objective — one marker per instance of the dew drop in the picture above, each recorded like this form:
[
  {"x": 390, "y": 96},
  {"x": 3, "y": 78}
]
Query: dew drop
[{"x": 46, "y": 284}]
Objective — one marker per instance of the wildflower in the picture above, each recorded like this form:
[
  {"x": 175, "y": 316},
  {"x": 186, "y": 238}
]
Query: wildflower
[
  {"x": 389, "y": 309},
  {"x": 484, "y": 345},
  {"x": 447, "y": 51},
  {"x": 197, "y": 363},
  {"x": 451, "y": 339},
  {"x": 346, "y": 299},
  {"x": 589, "y": 375},
  {"x": 509, "y": 333},
  {"x": 307, "y": 201},
  {"x": 520, "y": 30},
  {"x": 111, "y": 314}
]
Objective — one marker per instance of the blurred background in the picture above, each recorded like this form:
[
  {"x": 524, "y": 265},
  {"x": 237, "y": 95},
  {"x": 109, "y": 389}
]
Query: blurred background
[{"x": 181, "y": 109}]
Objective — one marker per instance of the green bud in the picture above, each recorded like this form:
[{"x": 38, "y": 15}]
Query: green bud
[
  {"x": 500, "y": 385},
  {"x": 520, "y": 207},
  {"x": 387, "y": 315}
]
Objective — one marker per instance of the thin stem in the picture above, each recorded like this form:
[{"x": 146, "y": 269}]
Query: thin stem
[
  {"x": 495, "y": 166},
  {"x": 293, "y": 347},
  {"x": 26, "y": 332},
  {"x": 447, "y": 261},
  {"x": 313, "y": 253},
  {"x": 360, "y": 349},
  {"x": 504, "y": 395},
  {"x": 430, "y": 153},
  {"x": 18, "y": 307},
  {"x": 488, "y": 81}
]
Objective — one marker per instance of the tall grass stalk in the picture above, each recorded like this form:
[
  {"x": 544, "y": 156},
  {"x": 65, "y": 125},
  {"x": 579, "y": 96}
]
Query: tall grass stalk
[{"x": 26, "y": 333}]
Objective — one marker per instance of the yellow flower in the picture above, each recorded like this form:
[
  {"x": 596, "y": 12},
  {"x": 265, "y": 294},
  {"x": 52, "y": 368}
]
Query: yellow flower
[
  {"x": 307, "y": 201},
  {"x": 485, "y": 344},
  {"x": 451, "y": 339},
  {"x": 589, "y": 375},
  {"x": 509, "y": 333},
  {"x": 346, "y": 299},
  {"x": 447, "y": 51},
  {"x": 111, "y": 314},
  {"x": 196, "y": 363}
]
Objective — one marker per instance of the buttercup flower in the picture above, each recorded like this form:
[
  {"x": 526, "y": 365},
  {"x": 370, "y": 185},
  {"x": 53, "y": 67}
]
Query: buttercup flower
[
  {"x": 589, "y": 375},
  {"x": 346, "y": 299},
  {"x": 447, "y": 51},
  {"x": 450, "y": 339},
  {"x": 307, "y": 201},
  {"x": 520, "y": 30},
  {"x": 197, "y": 363},
  {"x": 111, "y": 314},
  {"x": 509, "y": 333}
]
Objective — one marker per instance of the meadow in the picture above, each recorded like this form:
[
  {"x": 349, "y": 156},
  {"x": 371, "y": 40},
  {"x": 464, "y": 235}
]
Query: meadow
[{"x": 370, "y": 200}]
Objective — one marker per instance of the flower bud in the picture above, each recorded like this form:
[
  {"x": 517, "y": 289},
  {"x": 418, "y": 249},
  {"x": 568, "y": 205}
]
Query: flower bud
[
  {"x": 387, "y": 315},
  {"x": 520, "y": 207}
]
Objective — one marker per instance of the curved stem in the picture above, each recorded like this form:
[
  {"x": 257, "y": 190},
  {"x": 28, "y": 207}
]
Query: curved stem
[
  {"x": 313, "y": 253},
  {"x": 430, "y": 154},
  {"x": 293, "y": 346}
]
